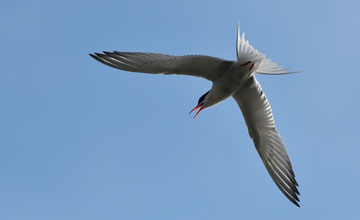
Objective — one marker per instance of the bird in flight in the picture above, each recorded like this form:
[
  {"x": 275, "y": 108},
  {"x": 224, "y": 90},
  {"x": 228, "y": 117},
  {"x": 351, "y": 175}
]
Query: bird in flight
[{"x": 229, "y": 78}]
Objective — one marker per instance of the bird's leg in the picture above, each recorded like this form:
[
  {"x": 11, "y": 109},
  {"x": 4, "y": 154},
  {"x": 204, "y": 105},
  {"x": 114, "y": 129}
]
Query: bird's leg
[{"x": 248, "y": 62}]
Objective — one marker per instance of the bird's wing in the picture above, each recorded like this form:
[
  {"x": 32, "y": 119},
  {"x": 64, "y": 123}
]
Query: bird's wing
[
  {"x": 259, "y": 119},
  {"x": 206, "y": 67}
]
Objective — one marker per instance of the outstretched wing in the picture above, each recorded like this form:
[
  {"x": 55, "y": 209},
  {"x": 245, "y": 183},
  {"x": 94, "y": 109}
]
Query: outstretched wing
[
  {"x": 259, "y": 119},
  {"x": 206, "y": 67}
]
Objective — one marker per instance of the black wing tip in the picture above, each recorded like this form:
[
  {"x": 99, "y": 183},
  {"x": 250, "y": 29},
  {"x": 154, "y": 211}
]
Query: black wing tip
[
  {"x": 95, "y": 56},
  {"x": 294, "y": 198},
  {"x": 99, "y": 54},
  {"x": 297, "y": 204},
  {"x": 296, "y": 201},
  {"x": 108, "y": 53}
]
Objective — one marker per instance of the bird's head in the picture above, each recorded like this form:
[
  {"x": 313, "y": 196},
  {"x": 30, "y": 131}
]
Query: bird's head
[{"x": 201, "y": 104}]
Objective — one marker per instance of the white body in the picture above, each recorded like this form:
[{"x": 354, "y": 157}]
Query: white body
[{"x": 230, "y": 82}]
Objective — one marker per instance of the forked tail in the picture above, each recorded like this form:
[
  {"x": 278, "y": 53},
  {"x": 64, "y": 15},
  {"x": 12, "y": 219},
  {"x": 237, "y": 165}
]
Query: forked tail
[{"x": 247, "y": 53}]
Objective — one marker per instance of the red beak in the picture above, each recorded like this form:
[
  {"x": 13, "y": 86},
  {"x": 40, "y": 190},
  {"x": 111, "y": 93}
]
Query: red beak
[{"x": 198, "y": 106}]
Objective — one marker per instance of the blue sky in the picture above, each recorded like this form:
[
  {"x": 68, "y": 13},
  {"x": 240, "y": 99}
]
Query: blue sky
[{"x": 80, "y": 140}]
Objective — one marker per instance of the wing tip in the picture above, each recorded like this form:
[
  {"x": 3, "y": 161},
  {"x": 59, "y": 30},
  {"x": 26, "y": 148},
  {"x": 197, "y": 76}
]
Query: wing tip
[
  {"x": 107, "y": 52},
  {"x": 95, "y": 56},
  {"x": 297, "y": 204}
]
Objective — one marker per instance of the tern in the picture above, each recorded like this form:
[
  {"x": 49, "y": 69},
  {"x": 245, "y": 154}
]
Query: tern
[{"x": 229, "y": 78}]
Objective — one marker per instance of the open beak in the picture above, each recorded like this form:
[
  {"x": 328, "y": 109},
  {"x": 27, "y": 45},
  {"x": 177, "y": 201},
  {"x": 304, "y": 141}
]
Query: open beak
[{"x": 200, "y": 107}]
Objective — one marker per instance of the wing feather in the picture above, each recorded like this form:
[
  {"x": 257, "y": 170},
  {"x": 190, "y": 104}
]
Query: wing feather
[
  {"x": 207, "y": 67},
  {"x": 259, "y": 119}
]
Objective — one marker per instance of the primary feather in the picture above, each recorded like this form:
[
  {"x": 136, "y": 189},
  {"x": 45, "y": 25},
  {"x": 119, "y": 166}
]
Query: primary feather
[
  {"x": 259, "y": 119},
  {"x": 206, "y": 67}
]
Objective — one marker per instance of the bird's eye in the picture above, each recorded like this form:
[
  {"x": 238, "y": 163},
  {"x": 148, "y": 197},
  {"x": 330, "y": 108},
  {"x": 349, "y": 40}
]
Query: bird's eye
[{"x": 202, "y": 98}]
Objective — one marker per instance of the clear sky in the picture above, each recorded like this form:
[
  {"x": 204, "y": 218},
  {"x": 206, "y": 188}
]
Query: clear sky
[{"x": 80, "y": 140}]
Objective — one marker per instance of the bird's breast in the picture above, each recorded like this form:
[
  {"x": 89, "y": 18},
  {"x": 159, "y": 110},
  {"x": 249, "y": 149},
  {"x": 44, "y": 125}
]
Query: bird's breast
[
  {"x": 234, "y": 78},
  {"x": 230, "y": 82}
]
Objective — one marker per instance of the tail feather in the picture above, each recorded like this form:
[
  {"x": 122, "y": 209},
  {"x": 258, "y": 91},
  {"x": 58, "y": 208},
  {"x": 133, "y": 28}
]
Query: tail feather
[
  {"x": 246, "y": 52},
  {"x": 272, "y": 68}
]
